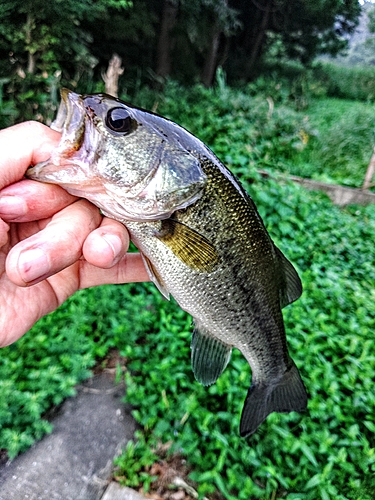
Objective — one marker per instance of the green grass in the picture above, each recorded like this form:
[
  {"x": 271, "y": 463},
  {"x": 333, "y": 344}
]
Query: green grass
[
  {"x": 328, "y": 453},
  {"x": 341, "y": 143},
  {"x": 345, "y": 82}
]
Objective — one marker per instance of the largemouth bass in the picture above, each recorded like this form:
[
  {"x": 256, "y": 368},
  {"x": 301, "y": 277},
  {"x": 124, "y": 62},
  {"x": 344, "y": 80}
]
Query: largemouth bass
[{"x": 200, "y": 235}]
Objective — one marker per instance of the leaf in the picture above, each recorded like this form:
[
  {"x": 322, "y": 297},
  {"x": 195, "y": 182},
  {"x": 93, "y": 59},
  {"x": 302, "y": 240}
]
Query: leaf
[
  {"x": 313, "y": 482},
  {"x": 309, "y": 454}
]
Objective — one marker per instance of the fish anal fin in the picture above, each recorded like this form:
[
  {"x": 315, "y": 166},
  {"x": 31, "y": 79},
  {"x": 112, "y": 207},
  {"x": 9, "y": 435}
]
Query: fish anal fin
[
  {"x": 290, "y": 285},
  {"x": 188, "y": 245},
  {"x": 155, "y": 277},
  {"x": 209, "y": 357},
  {"x": 289, "y": 394}
]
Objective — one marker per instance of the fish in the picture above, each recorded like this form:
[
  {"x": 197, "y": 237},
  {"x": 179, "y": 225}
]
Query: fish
[{"x": 199, "y": 233}]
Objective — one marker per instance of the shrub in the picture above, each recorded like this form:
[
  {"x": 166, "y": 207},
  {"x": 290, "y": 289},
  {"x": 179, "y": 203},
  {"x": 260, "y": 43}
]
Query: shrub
[
  {"x": 355, "y": 82},
  {"x": 241, "y": 126}
]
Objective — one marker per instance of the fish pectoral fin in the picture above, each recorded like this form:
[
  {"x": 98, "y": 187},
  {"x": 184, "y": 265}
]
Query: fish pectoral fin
[
  {"x": 209, "y": 357},
  {"x": 290, "y": 286},
  {"x": 155, "y": 277},
  {"x": 188, "y": 245},
  {"x": 289, "y": 394}
]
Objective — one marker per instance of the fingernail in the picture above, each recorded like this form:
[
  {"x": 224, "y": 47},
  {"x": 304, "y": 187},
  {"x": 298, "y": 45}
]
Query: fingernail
[
  {"x": 12, "y": 207},
  {"x": 114, "y": 242},
  {"x": 33, "y": 265}
]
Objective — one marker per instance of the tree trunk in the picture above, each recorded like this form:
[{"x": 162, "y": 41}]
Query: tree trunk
[
  {"x": 31, "y": 59},
  {"x": 112, "y": 75},
  {"x": 256, "y": 38},
  {"x": 209, "y": 68},
  {"x": 31, "y": 63},
  {"x": 169, "y": 17}
]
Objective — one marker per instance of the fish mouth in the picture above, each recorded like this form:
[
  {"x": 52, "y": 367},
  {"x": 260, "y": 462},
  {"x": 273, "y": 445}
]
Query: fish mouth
[
  {"x": 68, "y": 112},
  {"x": 70, "y": 120}
]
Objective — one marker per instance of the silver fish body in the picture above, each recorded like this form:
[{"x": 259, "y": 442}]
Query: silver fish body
[{"x": 200, "y": 235}]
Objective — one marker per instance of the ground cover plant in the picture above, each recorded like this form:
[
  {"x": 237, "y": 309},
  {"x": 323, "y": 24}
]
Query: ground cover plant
[
  {"x": 328, "y": 453},
  {"x": 42, "y": 368}
]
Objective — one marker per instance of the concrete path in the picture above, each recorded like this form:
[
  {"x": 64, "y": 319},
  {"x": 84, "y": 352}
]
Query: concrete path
[{"x": 75, "y": 461}]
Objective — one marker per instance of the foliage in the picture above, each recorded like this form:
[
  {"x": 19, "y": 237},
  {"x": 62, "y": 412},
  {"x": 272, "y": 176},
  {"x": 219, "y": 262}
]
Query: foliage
[
  {"x": 8, "y": 111},
  {"x": 27, "y": 30},
  {"x": 341, "y": 147},
  {"x": 356, "y": 82},
  {"x": 36, "y": 54},
  {"x": 134, "y": 458},
  {"x": 329, "y": 140},
  {"x": 74, "y": 39},
  {"x": 266, "y": 130},
  {"x": 328, "y": 452},
  {"x": 43, "y": 367}
]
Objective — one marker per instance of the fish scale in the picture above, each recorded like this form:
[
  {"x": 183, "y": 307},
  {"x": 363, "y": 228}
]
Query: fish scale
[{"x": 200, "y": 234}]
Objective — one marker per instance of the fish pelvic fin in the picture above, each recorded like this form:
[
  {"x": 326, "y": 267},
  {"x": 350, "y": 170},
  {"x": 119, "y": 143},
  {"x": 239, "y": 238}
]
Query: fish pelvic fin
[
  {"x": 290, "y": 285},
  {"x": 289, "y": 394},
  {"x": 209, "y": 357}
]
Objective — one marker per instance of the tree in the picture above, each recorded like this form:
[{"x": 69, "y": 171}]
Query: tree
[
  {"x": 40, "y": 42},
  {"x": 201, "y": 23},
  {"x": 49, "y": 34},
  {"x": 131, "y": 33},
  {"x": 164, "y": 49},
  {"x": 361, "y": 49},
  {"x": 225, "y": 22},
  {"x": 239, "y": 32},
  {"x": 305, "y": 28},
  {"x": 183, "y": 39}
]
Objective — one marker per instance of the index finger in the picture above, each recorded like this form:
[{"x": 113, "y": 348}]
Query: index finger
[{"x": 23, "y": 145}]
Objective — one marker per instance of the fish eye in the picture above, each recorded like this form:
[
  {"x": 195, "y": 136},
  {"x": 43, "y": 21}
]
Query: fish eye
[{"x": 118, "y": 120}]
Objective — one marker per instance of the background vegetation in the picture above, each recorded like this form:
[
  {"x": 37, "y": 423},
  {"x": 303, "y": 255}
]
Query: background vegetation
[{"x": 313, "y": 120}]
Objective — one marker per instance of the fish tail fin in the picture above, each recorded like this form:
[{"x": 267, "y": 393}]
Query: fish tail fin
[{"x": 289, "y": 394}]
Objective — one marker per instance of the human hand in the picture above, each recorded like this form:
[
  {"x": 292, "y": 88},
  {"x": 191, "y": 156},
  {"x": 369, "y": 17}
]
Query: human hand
[{"x": 51, "y": 243}]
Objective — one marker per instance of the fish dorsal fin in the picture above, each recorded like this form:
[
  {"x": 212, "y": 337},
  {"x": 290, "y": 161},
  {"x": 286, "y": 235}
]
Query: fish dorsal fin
[
  {"x": 155, "y": 277},
  {"x": 290, "y": 286},
  {"x": 209, "y": 357},
  {"x": 188, "y": 245}
]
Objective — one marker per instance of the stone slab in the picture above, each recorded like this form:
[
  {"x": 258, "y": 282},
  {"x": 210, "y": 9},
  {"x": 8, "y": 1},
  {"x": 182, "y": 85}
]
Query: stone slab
[
  {"x": 117, "y": 492},
  {"x": 75, "y": 461}
]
